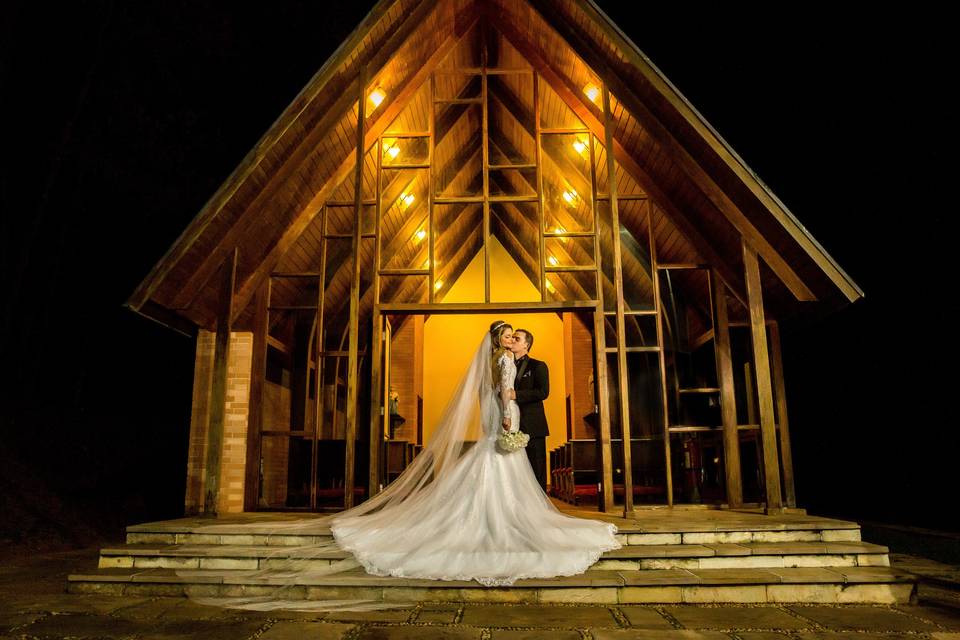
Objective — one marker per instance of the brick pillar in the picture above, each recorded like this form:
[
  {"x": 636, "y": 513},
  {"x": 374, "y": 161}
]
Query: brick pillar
[{"x": 233, "y": 461}]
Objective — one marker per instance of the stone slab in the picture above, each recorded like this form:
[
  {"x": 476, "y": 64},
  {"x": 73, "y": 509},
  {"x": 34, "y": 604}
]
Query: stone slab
[
  {"x": 417, "y": 633},
  {"x": 735, "y": 618},
  {"x": 656, "y": 634},
  {"x": 295, "y": 630},
  {"x": 946, "y": 617},
  {"x": 645, "y": 618},
  {"x": 534, "y": 634},
  {"x": 861, "y": 618},
  {"x": 537, "y": 616}
]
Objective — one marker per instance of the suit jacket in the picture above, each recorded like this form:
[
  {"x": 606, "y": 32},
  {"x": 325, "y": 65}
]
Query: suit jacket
[{"x": 532, "y": 389}]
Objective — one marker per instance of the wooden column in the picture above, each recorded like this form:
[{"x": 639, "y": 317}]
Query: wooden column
[
  {"x": 354, "y": 338},
  {"x": 485, "y": 156},
  {"x": 780, "y": 394},
  {"x": 758, "y": 333},
  {"x": 258, "y": 375},
  {"x": 376, "y": 389},
  {"x": 218, "y": 392},
  {"x": 606, "y": 452},
  {"x": 624, "y": 375},
  {"x": 728, "y": 402}
]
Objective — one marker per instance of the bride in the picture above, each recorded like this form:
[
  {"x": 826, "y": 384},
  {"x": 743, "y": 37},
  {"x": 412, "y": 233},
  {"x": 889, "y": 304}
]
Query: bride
[{"x": 465, "y": 508}]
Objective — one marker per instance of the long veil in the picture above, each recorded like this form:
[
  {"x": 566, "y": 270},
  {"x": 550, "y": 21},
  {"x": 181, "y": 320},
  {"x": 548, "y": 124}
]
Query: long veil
[{"x": 287, "y": 570}]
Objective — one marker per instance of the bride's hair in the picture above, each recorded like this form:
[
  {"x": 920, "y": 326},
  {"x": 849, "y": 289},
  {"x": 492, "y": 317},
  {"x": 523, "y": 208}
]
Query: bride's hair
[{"x": 496, "y": 330}]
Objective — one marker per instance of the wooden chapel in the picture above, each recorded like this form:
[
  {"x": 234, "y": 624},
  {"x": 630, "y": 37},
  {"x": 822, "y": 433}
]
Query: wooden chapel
[{"x": 440, "y": 136}]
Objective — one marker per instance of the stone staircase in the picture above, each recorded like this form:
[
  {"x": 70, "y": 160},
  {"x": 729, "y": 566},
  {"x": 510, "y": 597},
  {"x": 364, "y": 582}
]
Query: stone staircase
[{"x": 669, "y": 556}]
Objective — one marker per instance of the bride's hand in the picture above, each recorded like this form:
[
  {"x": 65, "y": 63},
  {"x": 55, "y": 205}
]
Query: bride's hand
[{"x": 506, "y": 423}]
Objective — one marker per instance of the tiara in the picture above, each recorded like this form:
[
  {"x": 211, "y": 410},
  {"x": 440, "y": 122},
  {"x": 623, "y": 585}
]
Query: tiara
[{"x": 499, "y": 324}]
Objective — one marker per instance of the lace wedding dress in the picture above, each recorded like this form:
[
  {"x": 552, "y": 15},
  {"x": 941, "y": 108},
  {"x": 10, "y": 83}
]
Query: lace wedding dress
[
  {"x": 462, "y": 510},
  {"x": 488, "y": 520}
]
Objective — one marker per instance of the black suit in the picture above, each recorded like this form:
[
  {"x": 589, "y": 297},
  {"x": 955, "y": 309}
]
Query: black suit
[{"x": 532, "y": 387}]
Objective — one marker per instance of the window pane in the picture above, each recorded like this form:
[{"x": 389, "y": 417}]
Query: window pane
[
  {"x": 405, "y": 151},
  {"x": 567, "y": 182},
  {"x": 404, "y": 225},
  {"x": 569, "y": 252},
  {"x": 510, "y": 119},
  {"x": 457, "y": 158}
]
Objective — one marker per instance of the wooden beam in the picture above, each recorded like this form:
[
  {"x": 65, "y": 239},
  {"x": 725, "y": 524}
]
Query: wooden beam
[
  {"x": 376, "y": 426},
  {"x": 258, "y": 376},
  {"x": 780, "y": 394},
  {"x": 572, "y": 97},
  {"x": 623, "y": 377},
  {"x": 728, "y": 404},
  {"x": 218, "y": 391},
  {"x": 603, "y": 398},
  {"x": 761, "y": 360},
  {"x": 661, "y": 357},
  {"x": 676, "y": 151},
  {"x": 484, "y": 142},
  {"x": 353, "y": 359},
  {"x": 167, "y": 317},
  {"x": 483, "y": 307}
]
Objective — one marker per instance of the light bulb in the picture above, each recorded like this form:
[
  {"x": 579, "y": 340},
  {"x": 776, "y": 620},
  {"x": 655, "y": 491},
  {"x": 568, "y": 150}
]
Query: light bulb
[
  {"x": 376, "y": 97},
  {"x": 592, "y": 91},
  {"x": 553, "y": 261},
  {"x": 420, "y": 235},
  {"x": 438, "y": 284},
  {"x": 579, "y": 146}
]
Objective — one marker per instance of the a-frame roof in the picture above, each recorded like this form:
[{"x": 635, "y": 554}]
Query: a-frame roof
[{"x": 699, "y": 188}]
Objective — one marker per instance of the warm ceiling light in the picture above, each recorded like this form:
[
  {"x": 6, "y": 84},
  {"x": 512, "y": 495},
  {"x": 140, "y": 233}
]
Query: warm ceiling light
[
  {"x": 549, "y": 284},
  {"x": 592, "y": 91},
  {"x": 438, "y": 284},
  {"x": 580, "y": 146},
  {"x": 407, "y": 199},
  {"x": 553, "y": 261},
  {"x": 420, "y": 235},
  {"x": 570, "y": 196},
  {"x": 376, "y": 97}
]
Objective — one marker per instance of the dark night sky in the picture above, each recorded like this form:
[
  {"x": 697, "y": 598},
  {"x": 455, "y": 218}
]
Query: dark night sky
[{"x": 123, "y": 118}]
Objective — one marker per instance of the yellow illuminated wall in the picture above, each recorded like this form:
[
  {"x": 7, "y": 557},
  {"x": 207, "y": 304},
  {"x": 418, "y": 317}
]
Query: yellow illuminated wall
[{"x": 449, "y": 341}]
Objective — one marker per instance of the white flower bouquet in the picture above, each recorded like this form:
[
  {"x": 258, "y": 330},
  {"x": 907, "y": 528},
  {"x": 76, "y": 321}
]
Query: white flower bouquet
[{"x": 511, "y": 441}]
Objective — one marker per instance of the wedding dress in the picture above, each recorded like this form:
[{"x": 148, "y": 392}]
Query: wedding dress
[{"x": 457, "y": 512}]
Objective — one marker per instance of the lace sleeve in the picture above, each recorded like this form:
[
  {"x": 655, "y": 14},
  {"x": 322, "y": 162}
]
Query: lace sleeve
[{"x": 503, "y": 363}]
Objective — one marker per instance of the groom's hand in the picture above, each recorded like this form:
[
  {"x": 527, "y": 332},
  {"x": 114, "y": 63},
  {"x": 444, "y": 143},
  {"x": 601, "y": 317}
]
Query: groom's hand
[{"x": 513, "y": 394}]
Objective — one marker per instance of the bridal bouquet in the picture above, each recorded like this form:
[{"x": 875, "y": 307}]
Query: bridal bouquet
[{"x": 511, "y": 441}]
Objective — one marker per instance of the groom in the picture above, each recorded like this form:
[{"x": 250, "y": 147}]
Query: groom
[{"x": 531, "y": 388}]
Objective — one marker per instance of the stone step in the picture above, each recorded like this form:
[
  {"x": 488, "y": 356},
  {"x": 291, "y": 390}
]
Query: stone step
[
  {"x": 805, "y": 529},
  {"x": 751, "y": 585},
  {"x": 639, "y": 557}
]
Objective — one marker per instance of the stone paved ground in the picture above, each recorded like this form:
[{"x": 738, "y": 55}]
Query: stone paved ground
[{"x": 34, "y": 604}]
